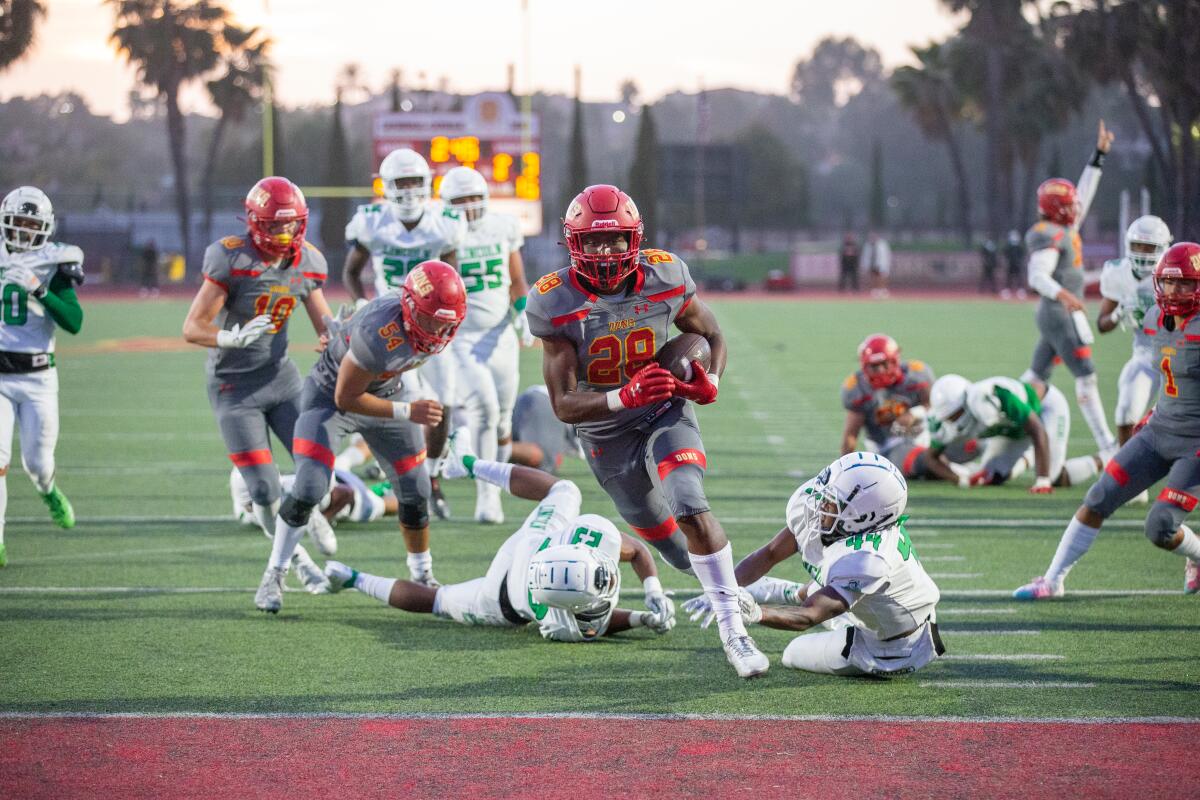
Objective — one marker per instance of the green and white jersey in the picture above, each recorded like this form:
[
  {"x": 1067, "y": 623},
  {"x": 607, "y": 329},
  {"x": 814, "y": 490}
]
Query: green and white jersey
[
  {"x": 395, "y": 249},
  {"x": 995, "y": 406},
  {"x": 483, "y": 263},
  {"x": 1119, "y": 284},
  {"x": 556, "y": 623},
  {"x": 25, "y": 327}
]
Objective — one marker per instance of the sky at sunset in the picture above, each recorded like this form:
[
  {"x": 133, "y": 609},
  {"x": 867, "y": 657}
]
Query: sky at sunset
[{"x": 663, "y": 45}]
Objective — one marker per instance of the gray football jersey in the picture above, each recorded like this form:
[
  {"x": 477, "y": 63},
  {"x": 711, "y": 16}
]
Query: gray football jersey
[
  {"x": 614, "y": 335},
  {"x": 880, "y": 407},
  {"x": 375, "y": 335},
  {"x": 1177, "y": 354},
  {"x": 252, "y": 288},
  {"x": 1068, "y": 272}
]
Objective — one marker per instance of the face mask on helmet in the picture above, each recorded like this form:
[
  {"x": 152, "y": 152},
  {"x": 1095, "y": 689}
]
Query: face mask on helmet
[
  {"x": 1146, "y": 239},
  {"x": 433, "y": 304},
  {"x": 473, "y": 208},
  {"x": 604, "y": 257},
  {"x": 858, "y": 493},
  {"x": 603, "y": 232},
  {"x": 579, "y": 579},
  {"x": 276, "y": 217},
  {"x": 26, "y": 219},
  {"x": 406, "y": 183},
  {"x": 465, "y": 190}
]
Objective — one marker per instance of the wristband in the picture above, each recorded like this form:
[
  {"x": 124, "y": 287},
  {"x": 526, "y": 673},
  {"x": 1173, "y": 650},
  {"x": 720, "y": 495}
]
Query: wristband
[
  {"x": 652, "y": 585},
  {"x": 1042, "y": 482},
  {"x": 226, "y": 339},
  {"x": 714, "y": 379},
  {"x": 614, "y": 400},
  {"x": 401, "y": 410},
  {"x": 519, "y": 303},
  {"x": 637, "y": 619},
  {"x": 1097, "y": 159}
]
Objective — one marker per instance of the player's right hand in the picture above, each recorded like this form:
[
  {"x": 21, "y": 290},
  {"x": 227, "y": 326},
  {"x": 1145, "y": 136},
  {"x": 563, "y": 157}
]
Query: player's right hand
[
  {"x": 25, "y": 278},
  {"x": 700, "y": 610},
  {"x": 425, "y": 412},
  {"x": 650, "y": 384},
  {"x": 1069, "y": 301},
  {"x": 240, "y": 336}
]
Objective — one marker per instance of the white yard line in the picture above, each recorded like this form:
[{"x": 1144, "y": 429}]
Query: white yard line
[
  {"x": 1001, "y": 657},
  {"x": 935, "y": 559},
  {"x": 992, "y": 632},
  {"x": 962, "y": 612},
  {"x": 955, "y": 575},
  {"x": 981, "y": 684}
]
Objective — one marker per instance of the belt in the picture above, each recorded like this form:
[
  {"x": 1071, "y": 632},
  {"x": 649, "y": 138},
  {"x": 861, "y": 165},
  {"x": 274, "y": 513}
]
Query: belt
[
  {"x": 938, "y": 647},
  {"x": 506, "y": 608},
  {"x": 25, "y": 362}
]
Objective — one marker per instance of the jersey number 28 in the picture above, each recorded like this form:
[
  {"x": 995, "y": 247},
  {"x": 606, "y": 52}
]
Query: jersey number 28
[{"x": 612, "y": 353}]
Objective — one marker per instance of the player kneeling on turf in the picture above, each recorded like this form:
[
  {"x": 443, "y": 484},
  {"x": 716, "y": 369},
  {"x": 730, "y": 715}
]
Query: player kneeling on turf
[
  {"x": 560, "y": 569},
  {"x": 848, "y": 528}
]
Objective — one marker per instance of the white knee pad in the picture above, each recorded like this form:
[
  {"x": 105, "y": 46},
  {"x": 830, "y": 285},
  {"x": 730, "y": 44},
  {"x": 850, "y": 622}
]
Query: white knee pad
[{"x": 819, "y": 652}]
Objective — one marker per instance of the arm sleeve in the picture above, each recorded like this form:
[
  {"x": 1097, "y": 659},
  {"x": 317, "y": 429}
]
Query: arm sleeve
[
  {"x": 1012, "y": 406},
  {"x": 1041, "y": 271},
  {"x": 62, "y": 304},
  {"x": 1089, "y": 181}
]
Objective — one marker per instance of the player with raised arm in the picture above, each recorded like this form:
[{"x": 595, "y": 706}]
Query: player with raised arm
[
  {"x": 394, "y": 237},
  {"x": 558, "y": 570},
  {"x": 355, "y": 387},
  {"x": 1056, "y": 273},
  {"x": 37, "y": 296},
  {"x": 847, "y": 525},
  {"x": 1166, "y": 446},
  {"x": 601, "y": 321},
  {"x": 888, "y": 400},
  {"x": 487, "y": 345},
  {"x": 252, "y": 284}
]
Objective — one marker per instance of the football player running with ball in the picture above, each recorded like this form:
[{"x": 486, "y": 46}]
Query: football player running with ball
[
  {"x": 559, "y": 570},
  {"x": 847, "y": 526},
  {"x": 37, "y": 295},
  {"x": 252, "y": 284},
  {"x": 355, "y": 388},
  {"x": 1167, "y": 446},
  {"x": 601, "y": 320}
]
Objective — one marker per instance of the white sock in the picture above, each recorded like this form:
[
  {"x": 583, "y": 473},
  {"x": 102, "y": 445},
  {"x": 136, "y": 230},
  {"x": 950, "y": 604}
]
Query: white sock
[
  {"x": 265, "y": 516},
  {"x": 774, "y": 591},
  {"x": 1087, "y": 395},
  {"x": 1080, "y": 469},
  {"x": 283, "y": 545},
  {"x": 3, "y": 504},
  {"x": 350, "y": 458},
  {"x": 493, "y": 472},
  {"x": 504, "y": 452},
  {"x": 1075, "y": 541},
  {"x": 1190, "y": 546},
  {"x": 375, "y": 586},
  {"x": 715, "y": 573},
  {"x": 419, "y": 564}
]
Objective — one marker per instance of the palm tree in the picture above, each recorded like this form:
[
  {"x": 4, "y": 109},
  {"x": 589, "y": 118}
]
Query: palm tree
[
  {"x": 171, "y": 42},
  {"x": 18, "y": 20},
  {"x": 234, "y": 92},
  {"x": 930, "y": 94}
]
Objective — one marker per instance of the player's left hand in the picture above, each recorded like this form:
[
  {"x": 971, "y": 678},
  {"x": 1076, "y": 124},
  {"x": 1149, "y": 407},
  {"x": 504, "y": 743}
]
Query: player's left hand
[
  {"x": 1104, "y": 138},
  {"x": 700, "y": 389},
  {"x": 700, "y": 610},
  {"x": 25, "y": 278},
  {"x": 521, "y": 326},
  {"x": 1041, "y": 485},
  {"x": 662, "y": 610}
]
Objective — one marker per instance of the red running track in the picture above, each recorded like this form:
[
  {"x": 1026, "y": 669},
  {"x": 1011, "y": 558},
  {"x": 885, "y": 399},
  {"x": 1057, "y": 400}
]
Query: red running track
[{"x": 363, "y": 757}]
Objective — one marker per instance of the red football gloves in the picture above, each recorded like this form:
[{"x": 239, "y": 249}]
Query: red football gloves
[
  {"x": 650, "y": 384},
  {"x": 700, "y": 389}
]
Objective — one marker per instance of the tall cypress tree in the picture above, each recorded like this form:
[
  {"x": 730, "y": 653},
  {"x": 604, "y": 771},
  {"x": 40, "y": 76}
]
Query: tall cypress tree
[
  {"x": 335, "y": 211},
  {"x": 643, "y": 175},
  {"x": 878, "y": 200}
]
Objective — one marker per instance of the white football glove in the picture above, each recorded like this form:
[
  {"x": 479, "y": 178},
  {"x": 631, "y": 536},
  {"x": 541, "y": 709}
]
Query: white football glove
[
  {"x": 240, "y": 336},
  {"x": 25, "y": 278},
  {"x": 521, "y": 325},
  {"x": 702, "y": 610},
  {"x": 661, "y": 608}
]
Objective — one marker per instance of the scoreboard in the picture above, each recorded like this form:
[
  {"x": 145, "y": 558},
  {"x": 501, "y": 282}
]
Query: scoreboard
[{"x": 488, "y": 134}]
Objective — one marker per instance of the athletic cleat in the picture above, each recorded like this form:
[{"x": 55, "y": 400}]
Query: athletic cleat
[
  {"x": 374, "y": 472},
  {"x": 1191, "y": 574},
  {"x": 309, "y": 573},
  {"x": 339, "y": 576},
  {"x": 488, "y": 509},
  {"x": 321, "y": 533},
  {"x": 1039, "y": 589},
  {"x": 60, "y": 508},
  {"x": 3, "y": 556},
  {"x": 424, "y": 578},
  {"x": 1141, "y": 498},
  {"x": 745, "y": 656},
  {"x": 458, "y": 447},
  {"x": 269, "y": 596},
  {"x": 437, "y": 501}
]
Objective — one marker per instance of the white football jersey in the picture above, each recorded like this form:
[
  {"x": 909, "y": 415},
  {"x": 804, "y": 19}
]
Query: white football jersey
[
  {"x": 483, "y": 263},
  {"x": 877, "y": 574},
  {"x": 1119, "y": 284},
  {"x": 25, "y": 327},
  {"x": 556, "y": 623},
  {"x": 395, "y": 249}
]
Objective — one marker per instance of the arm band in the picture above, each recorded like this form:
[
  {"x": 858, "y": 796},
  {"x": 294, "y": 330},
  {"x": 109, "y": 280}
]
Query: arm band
[
  {"x": 520, "y": 303},
  {"x": 614, "y": 400},
  {"x": 401, "y": 410},
  {"x": 652, "y": 585}
]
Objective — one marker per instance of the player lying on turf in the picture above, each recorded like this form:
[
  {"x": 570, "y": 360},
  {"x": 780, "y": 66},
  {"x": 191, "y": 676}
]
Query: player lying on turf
[
  {"x": 888, "y": 399},
  {"x": 848, "y": 528},
  {"x": 1167, "y": 446},
  {"x": 559, "y": 570},
  {"x": 1023, "y": 424}
]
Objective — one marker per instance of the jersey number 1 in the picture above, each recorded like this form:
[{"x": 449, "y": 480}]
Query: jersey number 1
[{"x": 1170, "y": 388}]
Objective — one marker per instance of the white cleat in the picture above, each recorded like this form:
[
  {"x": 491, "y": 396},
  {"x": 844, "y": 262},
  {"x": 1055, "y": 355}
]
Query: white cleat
[
  {"x": 321, "y": 533},
  {"x": 269, "y": 596},
  {"x": 745, "y": 656},
  {"x": 1141, "y": 498},
  {"x": 309, "y": 573},
  {"x": 488, "y": 509},
  {"x": 457, "y": 446},
  {"x": 425, "y": 578},
  {"x": 339, "y": 576}
]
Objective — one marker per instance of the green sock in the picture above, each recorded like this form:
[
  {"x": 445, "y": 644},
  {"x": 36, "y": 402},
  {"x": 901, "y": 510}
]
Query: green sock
[
  {"x": 469, "y": 463},
  {"x": 381, "y": 488}
]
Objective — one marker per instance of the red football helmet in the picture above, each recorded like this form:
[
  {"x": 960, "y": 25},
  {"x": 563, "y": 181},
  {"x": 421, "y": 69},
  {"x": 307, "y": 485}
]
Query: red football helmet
[
  {"x": 1058, "y": 201},
  {"x": 433, "y": 305},
  {"x": 876, "y": 349},
  {"x": 603, "y": 209},
  {"x": 276, "y": 216},
  {"x": 1180, "y": 265}
]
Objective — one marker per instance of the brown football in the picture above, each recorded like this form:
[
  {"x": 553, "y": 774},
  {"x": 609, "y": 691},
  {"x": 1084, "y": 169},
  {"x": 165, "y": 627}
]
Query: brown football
[{"x": 677, "y": 355}]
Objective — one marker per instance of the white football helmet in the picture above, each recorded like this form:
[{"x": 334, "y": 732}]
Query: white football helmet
[
  {"x": 579, "y": 578},
  {"x": 404, "y": 165},
  {"x": 1148, "y": 230},
  {"x": 26, "y": 219},
  {"x": 947, "y": 397},
  {"x": 463, "y": 182},
  {"x": 858, "y": 493}
]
